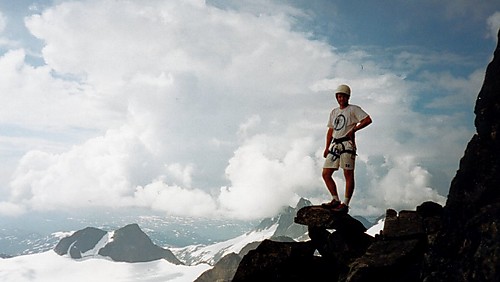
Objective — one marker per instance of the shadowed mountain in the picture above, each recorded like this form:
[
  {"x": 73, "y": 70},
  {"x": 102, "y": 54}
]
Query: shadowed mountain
[{"x": 127, "y": 244}]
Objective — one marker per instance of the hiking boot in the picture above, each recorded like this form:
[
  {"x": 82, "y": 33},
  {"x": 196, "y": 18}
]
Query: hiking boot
[
  {"x": 342, "y": 208},
  {"x": 331, "y": 205}
]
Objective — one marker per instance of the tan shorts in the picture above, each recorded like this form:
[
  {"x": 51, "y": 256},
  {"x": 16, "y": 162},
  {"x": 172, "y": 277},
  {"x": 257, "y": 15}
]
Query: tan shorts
[{"x": 344, "y": 160}]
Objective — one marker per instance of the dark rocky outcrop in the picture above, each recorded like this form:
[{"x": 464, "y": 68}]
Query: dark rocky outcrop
[
  {"x": 131, "y": 244},
  {"x": 397, "y": 254},
  {"x": 457, "y": 242},
  {"x": 348, "y": 242},
  {"x": 295, "y": 261},
  {"x": 223, "y": 270},
  {"x": 79, "y": 242},
  {"x": 272, "y": 261},
  {"x": 467, "y": 248}
]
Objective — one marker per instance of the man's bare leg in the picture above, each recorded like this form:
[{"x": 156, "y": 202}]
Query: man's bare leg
[
  {"x": 330, "y": 183},
  {"x": 349, "y": 185}
]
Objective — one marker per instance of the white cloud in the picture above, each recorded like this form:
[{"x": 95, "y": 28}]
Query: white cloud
[
  {"x": 175, "y": 200},
  {"x": 252, "y": 122},
  {"x": 96, "y": 173},
  {"x": 267, "y": 173},
  {"x": 3, "y": 22},
  {"x": 172, "y": 83},
  {"x": 455, "y": 91},
  {"x": 493, "y": 23},
  {"x": 38, "y": 100},
  {"x": 11, "y": 209},
  {"x": 465, "y": 8},
  {"x": 395, "y": 182},
  {"x": 224, "y": 115},
  {"x": 181, "y": 173}
]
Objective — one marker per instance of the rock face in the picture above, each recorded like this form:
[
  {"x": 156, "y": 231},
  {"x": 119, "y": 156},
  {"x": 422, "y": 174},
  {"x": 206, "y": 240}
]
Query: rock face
[
  {"x": 468, "y": 249},
  {"x": 295, "y": 261},
  {"x": 457, "y": 242},
  {"x": 223, "y": 270},
  {"x": 398, "y": 253},
  {"x": 282, "y": 261},
  {"x": 348, "y": 242}
]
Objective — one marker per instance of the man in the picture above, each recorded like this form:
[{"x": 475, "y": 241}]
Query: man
[{"x": 340, "y": 151}]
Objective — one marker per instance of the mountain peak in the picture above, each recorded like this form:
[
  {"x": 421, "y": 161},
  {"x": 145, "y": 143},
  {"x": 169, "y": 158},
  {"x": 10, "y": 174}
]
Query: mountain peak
[
  {"x": 80, "y": 242},
  {"x": 127, "y": 244},
  {"x": 303, "y": 203},
  {"x": 286, "y": 227}
]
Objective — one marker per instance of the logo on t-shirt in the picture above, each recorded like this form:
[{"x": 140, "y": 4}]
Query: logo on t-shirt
[{"x": 339, "y": 122}]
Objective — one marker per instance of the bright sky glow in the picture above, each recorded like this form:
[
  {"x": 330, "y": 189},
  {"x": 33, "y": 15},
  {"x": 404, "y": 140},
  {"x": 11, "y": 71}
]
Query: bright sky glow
[{"x": 219, "y": 108}]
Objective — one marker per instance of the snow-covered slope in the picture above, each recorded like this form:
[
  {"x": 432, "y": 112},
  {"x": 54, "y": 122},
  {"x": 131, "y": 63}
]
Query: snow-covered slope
[
  {"x": 280, "y": 226},
  {"x": 49, "y": 266},
  {"x": 375, "y": 229},
  {"x": 192, "y": 255}
]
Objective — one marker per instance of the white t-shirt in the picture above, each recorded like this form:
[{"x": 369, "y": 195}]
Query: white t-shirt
[{"x": 343, "y": 120}]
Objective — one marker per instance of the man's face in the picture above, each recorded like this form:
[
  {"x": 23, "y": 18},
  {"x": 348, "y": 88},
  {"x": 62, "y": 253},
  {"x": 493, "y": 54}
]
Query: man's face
[{"x": 342, "y": 99}]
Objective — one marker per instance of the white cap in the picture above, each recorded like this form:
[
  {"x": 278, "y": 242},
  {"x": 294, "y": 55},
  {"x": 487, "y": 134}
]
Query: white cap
[{"x": 344, "y": 89}]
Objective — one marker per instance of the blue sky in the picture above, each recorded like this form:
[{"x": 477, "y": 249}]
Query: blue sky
[{"x": 219, "y": 108}]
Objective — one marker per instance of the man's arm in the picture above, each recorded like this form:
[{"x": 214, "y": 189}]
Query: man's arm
[
  {"x": 362, "y": 124},
  {"x": 329, "y": 138}
]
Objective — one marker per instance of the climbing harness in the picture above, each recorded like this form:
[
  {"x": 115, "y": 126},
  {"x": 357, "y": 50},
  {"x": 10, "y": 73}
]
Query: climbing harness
[{"x": 336, "y": 152}]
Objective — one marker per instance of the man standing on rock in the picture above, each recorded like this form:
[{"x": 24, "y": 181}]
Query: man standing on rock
[{"x": 340, "y": 149}]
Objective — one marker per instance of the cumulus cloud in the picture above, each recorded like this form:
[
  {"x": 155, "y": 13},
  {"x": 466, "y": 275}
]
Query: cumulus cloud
[
  {"x": 39, "y": 101},
  {"x": 224, "y": 115},
  {"x": 97, "y": 172},
  {"x": 268, "y": 172},
  {"x": 175, "y": 200},
  {"x": 396, "y": 182}
]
